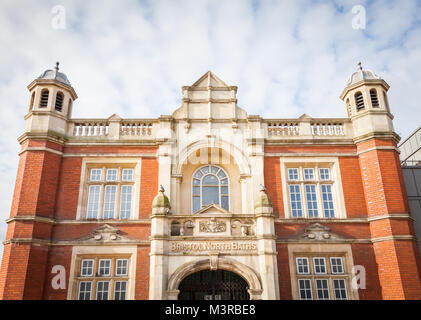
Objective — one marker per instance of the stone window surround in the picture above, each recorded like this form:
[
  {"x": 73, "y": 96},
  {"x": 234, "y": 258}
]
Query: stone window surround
[
  {"x": 109, "y": 162},
  {"x": 327, "y": 251},
  {"x": 110, "y": 252},
  {"x": 335, "y": 181}
]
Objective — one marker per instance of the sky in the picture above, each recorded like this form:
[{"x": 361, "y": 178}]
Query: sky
[{"x": 131, "y": 58}]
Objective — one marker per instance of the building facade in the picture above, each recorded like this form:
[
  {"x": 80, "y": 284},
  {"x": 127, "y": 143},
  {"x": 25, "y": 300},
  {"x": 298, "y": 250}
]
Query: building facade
[{"x": 210, "y": 202}]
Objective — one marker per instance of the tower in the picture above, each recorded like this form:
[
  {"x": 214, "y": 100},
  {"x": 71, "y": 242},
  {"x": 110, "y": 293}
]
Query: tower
[
  {"x": 365, "y": 97},
  {"x": 26, "y": 248},
  {"x": 51, "y": 100},
  {"x": 391, "y": 225}
]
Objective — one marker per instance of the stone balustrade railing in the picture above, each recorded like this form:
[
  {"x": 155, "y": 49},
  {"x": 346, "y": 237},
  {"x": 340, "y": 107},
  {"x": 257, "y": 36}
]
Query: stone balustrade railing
[
  {"x": 112, "y": 129},
  {"x": 283, "y": 128},
  {"x": 90, "y": 129},
  {"x": 308, "y": 127},
  {"x": 327, "y": 128},
  {"x": 146, "y": 129}
]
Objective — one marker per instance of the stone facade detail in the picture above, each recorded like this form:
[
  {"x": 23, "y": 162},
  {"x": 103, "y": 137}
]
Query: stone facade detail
[{"x": 213, "y": 226}]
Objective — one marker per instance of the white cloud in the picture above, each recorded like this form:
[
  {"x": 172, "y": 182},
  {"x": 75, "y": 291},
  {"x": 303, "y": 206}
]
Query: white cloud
[{"x": 132, "y": 57}]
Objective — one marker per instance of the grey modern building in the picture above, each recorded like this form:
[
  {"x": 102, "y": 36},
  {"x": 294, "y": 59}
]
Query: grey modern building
[{"x": 411, "y": 166}]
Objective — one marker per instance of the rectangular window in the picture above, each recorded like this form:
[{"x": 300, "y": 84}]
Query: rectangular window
[
  {"x": 127, "y": 175},
  {"x": 96, "y": 174},
  {"x": 93, "y": 202},
  {"x": 104, "y": 268},
  {"x": 293, "y": 174},
  {"x": 121, "y": 267},
  {"x": 295, "y": 197},
  {"x": 322, "y": 289},
  {"x": 302, "y": 266},
  {"x": 327, "y": 201},
  {"x": 102, "y": 288},
  {"x": 324, "y": 174},
  {"x": 304, "y": 286},
  {"x": 319, "y": 265},
  {"x": 339, "y": 288},
  {"x": 311, "y": 200},
  {"x": 120, "y": 288},
  {"x": 112, "y": 174},
  {"x": 87, "y": 268},
  {"x": 308, "y": 174},
  {"x": 336, "y": 265},
  {"x": 85, "y": 289},
  {"x": 109, "y": 202},
  {"x": 125, "y": 202}
]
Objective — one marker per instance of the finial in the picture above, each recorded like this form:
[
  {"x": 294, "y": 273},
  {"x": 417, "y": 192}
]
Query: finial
[
  {"x": 262, "y": 188},
  {"x": 57, "y": 63},
  {"x": 359, "y": 66},
  {"x": 161, "y": 188}
]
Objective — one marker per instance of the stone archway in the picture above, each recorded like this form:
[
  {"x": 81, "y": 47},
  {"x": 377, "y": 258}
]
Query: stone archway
[{"x": 253, "y": 281}]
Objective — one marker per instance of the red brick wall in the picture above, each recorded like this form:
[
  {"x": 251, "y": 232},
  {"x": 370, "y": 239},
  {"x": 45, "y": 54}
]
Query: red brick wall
[
  {"x": 68, "y": 188},
  {"x": 284, "y": 275},
  {"x": 273, "y": 184},
  {"x": 385, "y": 194},
  {"x": 352, "y": 186},
  {"x": 142, "y": 273},
  {"x": 148, "y": 186},
  {"x": 58, "y": 255},
  {"x": 363, "y": 255}
]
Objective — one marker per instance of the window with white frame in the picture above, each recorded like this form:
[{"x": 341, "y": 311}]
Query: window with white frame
[
  {"x": 322, "y": 289},
  {"x": 305, "y": 290},
  {"x": 339, "y": 287},
  {"x": 85, "y": 290},
  {"x": 321, "y": 277},
  {"x": 122, "y": 267},
  {"x": 120, "y": 290},
  {"x": 210, "y": 184},
  {"x": 87, "y": 268},
  {"x": 102, "y": 290},
  {"x": 336, "y": 264},
  {"x": 302, "y": 266},
  {"x": 109, "y": 193},
  {"x": 310, "y": 192},
  {"x": 102, "y": 277}
]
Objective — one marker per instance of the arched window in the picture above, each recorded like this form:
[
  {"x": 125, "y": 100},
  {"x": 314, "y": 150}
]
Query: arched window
[
  {"x": 59, "y": 101},
  {"x": 374, "y": 99},
  {"x": 386, "y": 102},
  {"x": 31, "y": 104},
  {"x": 210, "y": 184},
  {"x": 69, "y": 111},
  {"x": 44, "y": 98},
  {"x": 348, "y": 107},
  {"x": 359, "y": 100}
]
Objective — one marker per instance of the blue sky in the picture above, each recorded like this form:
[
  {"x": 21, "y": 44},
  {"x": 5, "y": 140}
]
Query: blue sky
[{"x": 132, "y": 57}]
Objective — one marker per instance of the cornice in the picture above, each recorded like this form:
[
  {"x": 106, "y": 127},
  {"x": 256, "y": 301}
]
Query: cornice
[
  {"x": 74, "y": 222},
  {"x": 377, "y": 135},
  {"x": 50, "y": 136}
]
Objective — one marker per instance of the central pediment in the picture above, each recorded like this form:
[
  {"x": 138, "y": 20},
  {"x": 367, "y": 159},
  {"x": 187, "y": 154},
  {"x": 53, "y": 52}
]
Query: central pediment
[
  {"x": 212, "y": 210},
  {"x": 209, "y": 98}
]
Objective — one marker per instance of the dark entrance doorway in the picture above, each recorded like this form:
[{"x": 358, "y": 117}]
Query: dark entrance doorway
[{"x": 213, "y": 285}]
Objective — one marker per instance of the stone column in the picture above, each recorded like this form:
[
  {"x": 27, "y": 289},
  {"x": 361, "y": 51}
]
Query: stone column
[
  {"x": 158, "y": 275},
  {"x": 266, "y": 244}
]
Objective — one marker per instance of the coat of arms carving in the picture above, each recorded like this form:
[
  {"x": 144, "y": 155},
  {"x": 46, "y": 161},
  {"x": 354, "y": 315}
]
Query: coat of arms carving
[{"x": 212, "y": 226}]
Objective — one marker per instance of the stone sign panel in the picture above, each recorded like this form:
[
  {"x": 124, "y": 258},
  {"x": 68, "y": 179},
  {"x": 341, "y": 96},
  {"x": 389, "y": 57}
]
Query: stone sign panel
[{"x": 212, "y": 246}]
